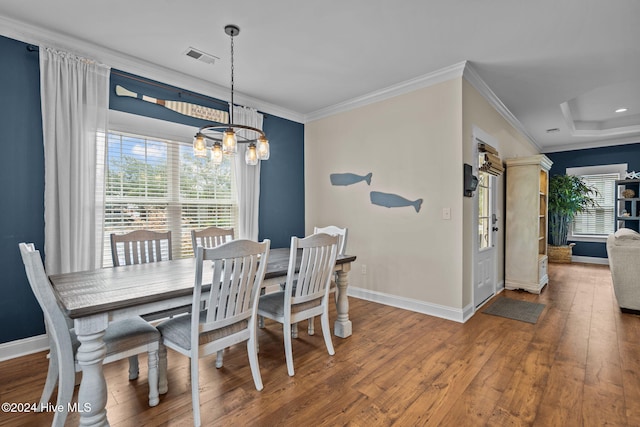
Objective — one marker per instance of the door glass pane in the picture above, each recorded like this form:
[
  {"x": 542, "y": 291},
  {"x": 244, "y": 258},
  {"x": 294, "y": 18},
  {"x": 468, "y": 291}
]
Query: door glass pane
[{"x": 484, "y": 211}]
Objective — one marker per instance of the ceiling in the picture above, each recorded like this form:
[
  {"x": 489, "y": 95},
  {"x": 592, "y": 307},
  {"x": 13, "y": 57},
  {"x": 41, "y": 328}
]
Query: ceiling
[{"x": 565, "y": 65}]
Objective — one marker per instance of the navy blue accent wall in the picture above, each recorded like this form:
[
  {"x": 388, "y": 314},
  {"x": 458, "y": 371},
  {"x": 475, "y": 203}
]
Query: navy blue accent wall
[
  {"x": 22, "y": 190},
  {"x": 22, "y": 173},
  {"x": 282, "y": 183},
  {"x": 281, "y": 177},
  {"x": 628, "y": 153}
]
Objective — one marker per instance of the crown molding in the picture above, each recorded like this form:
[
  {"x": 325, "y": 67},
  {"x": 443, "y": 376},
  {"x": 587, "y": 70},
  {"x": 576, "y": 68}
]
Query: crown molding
[
  {"x": 38, "y": 36},
  {"x": 439, "y": 76},
  {"x": 471, "y": 75},
  {"x": 592, "y": 144}
]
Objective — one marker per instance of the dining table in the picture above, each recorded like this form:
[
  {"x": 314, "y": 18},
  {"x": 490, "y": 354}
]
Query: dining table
[{"x": 94, "y": 298}]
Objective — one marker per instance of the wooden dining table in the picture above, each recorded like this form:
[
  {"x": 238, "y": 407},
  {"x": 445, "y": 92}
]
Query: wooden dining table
[{"x": 95, "y": 298}]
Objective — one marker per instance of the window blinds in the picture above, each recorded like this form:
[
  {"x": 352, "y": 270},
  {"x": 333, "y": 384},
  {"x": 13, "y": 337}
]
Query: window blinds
[
  {"x": 159, "y": 185},
  {"x": 601, "y": 219}
]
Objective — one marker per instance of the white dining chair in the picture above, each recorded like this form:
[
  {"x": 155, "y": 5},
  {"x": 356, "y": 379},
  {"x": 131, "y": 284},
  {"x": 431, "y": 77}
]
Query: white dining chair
[
  {"x": 210, "y": 237},
  {"x": 306, "y": 293},
  {"x": 230, "y": 314},
  {"x": 140, "y": 247},
  {"x": 332, "y": 230},
  {"x": 122, "y": 338}
]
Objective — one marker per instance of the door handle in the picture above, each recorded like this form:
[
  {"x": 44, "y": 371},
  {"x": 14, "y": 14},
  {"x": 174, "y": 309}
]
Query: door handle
[{"x": 495, "y": 228}]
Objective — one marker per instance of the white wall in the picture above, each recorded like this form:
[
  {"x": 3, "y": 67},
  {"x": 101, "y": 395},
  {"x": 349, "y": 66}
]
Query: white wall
[
  {"x": 412, "y": 145},
  {"x": 415, "y": 145}
]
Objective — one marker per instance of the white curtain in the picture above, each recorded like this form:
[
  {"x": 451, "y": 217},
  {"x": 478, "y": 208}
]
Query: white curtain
[
  {"x": 247, "y": 178},
  {"x": 74, "y": 102}
]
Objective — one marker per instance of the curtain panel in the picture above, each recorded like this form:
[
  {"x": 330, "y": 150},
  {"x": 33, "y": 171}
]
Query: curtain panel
[
  {"x": 247, "y": 178},
  {"x": 74, "y": 102}
]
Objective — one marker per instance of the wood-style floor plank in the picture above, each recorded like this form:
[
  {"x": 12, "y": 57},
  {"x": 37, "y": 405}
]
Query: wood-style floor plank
[{"x": 579, "y": 365}]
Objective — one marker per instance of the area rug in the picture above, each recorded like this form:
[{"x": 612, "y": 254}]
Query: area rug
[{"x": 524, "y": 311}]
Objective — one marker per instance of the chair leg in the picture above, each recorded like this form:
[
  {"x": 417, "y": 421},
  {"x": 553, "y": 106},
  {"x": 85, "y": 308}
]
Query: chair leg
[
  {"x": 288, "y": 352},
  {"x": 66, "y": 384},
  {"x": 219, "y": 359},
  {"x": 252, "y": 350},
  {"x": 152, "y": 378},
  {"x": 294, "y": 330},
  {"x": 326, "y": 332},
  {"x": 195, "y": 389},
  {"x": 311, "y": 328},
  {"x": 52, "y": 378},
  {"x": 133, "y": 367},
  {"x": 163, "y": 385}
]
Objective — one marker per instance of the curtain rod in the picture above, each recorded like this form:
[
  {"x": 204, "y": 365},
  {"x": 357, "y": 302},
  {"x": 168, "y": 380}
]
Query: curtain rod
[{"x": 180, "y": 92}]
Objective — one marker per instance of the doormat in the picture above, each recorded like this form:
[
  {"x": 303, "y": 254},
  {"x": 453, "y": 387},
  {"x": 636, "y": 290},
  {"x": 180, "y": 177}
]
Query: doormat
[{"x": 524, "y": 311}]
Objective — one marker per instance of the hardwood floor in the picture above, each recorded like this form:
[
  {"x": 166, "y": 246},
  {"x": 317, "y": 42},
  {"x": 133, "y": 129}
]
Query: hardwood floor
[{"x": 578, "y": 366}]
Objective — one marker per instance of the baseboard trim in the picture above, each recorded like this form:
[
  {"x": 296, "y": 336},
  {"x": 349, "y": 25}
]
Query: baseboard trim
[
  {"x": 590, "y": 260},
  {"x": 444, "y": 312},
  {"x": 18, "y": 348}
]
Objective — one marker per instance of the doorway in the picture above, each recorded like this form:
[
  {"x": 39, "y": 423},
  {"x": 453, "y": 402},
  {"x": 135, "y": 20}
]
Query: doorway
[{"x": 485, "y": 230}]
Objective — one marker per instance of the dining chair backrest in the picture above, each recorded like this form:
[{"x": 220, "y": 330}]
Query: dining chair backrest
[
  {"x": 317, "y": 261},
  {"x": 237, "y": 274},
  {"x": 140, "y": 247},
  {"x": 335, "y": 231},
  {"x": 60, "y": 339},
  {"x": 210, "y": 237},
  {"x": 56, "y": 321}
]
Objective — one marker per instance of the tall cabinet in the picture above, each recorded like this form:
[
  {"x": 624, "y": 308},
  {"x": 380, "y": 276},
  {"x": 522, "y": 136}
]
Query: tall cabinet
[{"x": 527, "y": 180}]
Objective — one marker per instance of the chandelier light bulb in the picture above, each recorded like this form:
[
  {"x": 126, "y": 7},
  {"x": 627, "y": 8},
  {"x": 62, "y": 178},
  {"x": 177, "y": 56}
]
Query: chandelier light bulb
[
  {"x": 251, "y": 155},
  {"x": 199, "y": 146},
  {"x": 263, "y": 148},
  {"x": 229, "y": 142},
  {"x": 216, "y": 153}
]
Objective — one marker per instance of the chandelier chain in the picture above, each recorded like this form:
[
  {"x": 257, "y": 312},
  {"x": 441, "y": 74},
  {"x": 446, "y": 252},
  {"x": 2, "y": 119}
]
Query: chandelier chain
[{"x": 232, "y": 81}]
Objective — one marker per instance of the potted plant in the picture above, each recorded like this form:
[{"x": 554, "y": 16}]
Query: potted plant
[{"x": 568, "y": 195}]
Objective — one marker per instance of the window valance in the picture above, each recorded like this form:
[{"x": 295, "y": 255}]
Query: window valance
[{"x": 490, "y": 161}]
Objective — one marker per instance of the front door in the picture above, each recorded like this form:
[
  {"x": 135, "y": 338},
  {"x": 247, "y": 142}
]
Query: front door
[{"x": 485, "y": 270}]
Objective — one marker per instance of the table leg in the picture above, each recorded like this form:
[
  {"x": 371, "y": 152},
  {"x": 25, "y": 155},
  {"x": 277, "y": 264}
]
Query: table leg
[
  {"x": 92, "y": 396},
  {"x": 342, "y": 325}
]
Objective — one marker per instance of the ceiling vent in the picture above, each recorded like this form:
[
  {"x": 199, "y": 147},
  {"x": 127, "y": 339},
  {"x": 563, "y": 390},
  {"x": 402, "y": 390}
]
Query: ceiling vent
[{"x": 201, "y": 56}]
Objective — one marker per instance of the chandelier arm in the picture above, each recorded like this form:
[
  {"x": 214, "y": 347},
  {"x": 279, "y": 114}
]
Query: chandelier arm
[{"x": 211, "y": 132}]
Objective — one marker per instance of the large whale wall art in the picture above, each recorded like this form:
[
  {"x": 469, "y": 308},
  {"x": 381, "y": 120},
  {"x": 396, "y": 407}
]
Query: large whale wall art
[
  {"x": 387, "y": 200},
  {"x": 349, "y": 178}
]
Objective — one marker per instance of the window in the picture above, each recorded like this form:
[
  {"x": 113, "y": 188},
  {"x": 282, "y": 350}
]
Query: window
[
  {"x": 484, "y": 211},
  {"x": 597, "y": 222},
  {"x": 157, "y": 184}
]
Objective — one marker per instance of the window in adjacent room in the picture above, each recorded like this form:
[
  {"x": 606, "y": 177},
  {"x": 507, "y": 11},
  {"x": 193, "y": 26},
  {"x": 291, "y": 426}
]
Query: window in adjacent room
[
  {"x": 597, "y": 223},
  {"x": 157, "y": 184}
]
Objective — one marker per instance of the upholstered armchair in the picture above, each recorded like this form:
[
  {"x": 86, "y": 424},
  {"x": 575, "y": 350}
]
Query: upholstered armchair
[{"x": 623, "y": 250}]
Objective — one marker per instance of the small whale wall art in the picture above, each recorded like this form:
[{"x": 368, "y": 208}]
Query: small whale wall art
[
  {"x": 393, "y": 200},
  {"x": 349, "y": 178}
]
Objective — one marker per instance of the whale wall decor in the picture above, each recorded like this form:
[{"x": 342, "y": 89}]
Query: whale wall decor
[
  {"x": 393, "y": 200},
  {"x": 349, "y": 178}
]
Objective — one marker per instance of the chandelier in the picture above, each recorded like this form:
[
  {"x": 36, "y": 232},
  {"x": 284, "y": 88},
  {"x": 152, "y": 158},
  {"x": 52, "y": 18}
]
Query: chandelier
[{"x": 224, "y": 139}]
